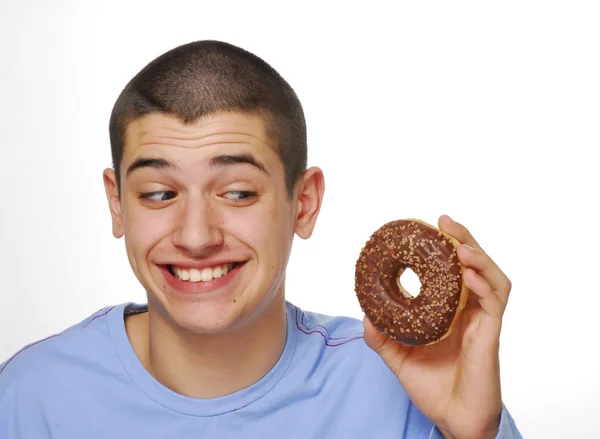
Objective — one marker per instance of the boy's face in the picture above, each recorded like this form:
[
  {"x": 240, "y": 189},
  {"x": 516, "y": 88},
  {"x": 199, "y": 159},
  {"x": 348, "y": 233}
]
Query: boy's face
[{"x": 208, "y": 201}]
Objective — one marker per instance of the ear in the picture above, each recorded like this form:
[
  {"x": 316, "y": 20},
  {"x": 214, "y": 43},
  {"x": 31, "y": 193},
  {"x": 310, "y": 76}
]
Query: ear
[
  {"x": 114, "y": 201},
  {"x": 309, "y": 190}
]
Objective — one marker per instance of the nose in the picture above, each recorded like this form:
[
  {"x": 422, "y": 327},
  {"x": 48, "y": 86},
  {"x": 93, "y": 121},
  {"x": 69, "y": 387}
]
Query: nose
[{"x": 198, "y": 228}]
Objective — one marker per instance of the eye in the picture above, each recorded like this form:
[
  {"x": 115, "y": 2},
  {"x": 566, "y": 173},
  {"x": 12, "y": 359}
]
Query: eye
[
  {"x": 158, "y": 196},
  {"x": 240, "y": 195}
]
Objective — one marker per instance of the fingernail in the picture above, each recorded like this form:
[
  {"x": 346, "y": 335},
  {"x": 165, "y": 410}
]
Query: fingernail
[{"x": 450, "y": 218}]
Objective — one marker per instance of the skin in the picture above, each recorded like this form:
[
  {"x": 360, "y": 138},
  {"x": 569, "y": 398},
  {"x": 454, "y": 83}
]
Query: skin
[
  {"x": 205, "y": 345},
  {"x": 215, "y": 343}
]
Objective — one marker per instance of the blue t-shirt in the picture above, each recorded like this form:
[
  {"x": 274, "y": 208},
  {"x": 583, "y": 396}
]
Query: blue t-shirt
[{"x": 87, "y": 382}]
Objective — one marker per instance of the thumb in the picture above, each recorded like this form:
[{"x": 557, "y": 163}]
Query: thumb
[{"x": 393, "y": 353}]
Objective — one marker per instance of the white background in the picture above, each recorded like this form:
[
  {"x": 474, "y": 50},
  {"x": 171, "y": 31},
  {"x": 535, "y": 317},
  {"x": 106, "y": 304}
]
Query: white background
[{"x": 487, "y": 112}]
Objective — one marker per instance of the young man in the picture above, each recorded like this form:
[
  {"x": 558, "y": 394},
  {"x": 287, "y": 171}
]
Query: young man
[{"x": 209, "y": 187}]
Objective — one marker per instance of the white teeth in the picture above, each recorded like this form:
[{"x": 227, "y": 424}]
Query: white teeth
[
  {"x": 195, "y": 275},
  {"x": 207, "y": 274},
  {"x": 204, "y": 275},
  {"x": 183, "y": 274}
]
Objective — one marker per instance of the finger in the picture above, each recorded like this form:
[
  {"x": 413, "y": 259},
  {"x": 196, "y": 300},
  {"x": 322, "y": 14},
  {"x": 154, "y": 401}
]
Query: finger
[
  {"x": 485, "y": 266},
  {"x": 391, "y": 352},
  {"x": 457, "y": 230},
  {"x": 488, "y": 300}
]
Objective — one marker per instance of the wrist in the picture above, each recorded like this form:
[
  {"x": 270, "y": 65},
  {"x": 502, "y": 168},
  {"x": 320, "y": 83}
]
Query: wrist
[{"x": 489, "y": 432}]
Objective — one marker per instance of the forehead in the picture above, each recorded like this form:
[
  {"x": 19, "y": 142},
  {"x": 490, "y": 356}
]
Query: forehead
[{"x": 229, "y": 128}]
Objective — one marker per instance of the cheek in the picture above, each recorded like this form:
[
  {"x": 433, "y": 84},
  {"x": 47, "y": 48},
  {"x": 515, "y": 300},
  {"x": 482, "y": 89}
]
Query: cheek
[
  {"x": 145, "y": 227},
  {"x": 266, "y": 229}
]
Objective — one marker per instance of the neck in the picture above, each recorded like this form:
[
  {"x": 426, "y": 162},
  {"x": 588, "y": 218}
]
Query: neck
[{"x": 209, "y": 366}]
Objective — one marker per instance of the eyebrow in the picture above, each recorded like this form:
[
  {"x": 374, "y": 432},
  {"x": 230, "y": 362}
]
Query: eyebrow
[
  {"x": 145, "y": 162},
  {"x": 228, "y": 160},
  {"x": 214, "y": 162}
]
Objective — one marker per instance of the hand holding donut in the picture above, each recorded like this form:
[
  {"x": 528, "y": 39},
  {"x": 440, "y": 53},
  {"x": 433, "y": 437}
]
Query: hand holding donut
[{"x": 455, "y": 382}]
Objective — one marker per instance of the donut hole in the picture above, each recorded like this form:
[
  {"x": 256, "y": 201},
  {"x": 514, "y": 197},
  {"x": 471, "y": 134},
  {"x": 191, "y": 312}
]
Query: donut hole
[{"x": 408, "y": 282}]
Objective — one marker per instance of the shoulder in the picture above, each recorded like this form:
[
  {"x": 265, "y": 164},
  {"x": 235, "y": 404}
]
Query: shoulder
[
  {"x": 332, "y": 331},
  {"x": 336, "y": 345},
  {"x": 40, "y": 359},
  {"x": 333, "y": 358}
]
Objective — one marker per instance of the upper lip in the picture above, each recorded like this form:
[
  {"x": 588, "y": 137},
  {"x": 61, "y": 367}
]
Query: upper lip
[{"x": 199, "y": 265}]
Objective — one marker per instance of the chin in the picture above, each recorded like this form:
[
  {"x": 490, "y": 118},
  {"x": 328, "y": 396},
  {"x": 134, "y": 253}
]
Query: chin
[{"x": 207, "y": 318}]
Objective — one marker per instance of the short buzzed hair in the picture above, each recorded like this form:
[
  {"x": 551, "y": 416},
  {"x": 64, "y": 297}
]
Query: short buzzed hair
[{"x": 207, "y": 77}]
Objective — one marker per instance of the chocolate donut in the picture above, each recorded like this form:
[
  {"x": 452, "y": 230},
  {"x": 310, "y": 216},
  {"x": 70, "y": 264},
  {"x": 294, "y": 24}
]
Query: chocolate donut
[{"x": 431, "y": 254}]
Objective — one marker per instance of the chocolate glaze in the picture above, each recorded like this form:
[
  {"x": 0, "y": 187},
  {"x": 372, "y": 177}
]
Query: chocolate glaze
[{"x": 432, "y": 256}]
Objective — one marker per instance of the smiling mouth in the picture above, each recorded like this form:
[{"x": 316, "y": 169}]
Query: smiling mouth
[{"x": 194, "y": 275}]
